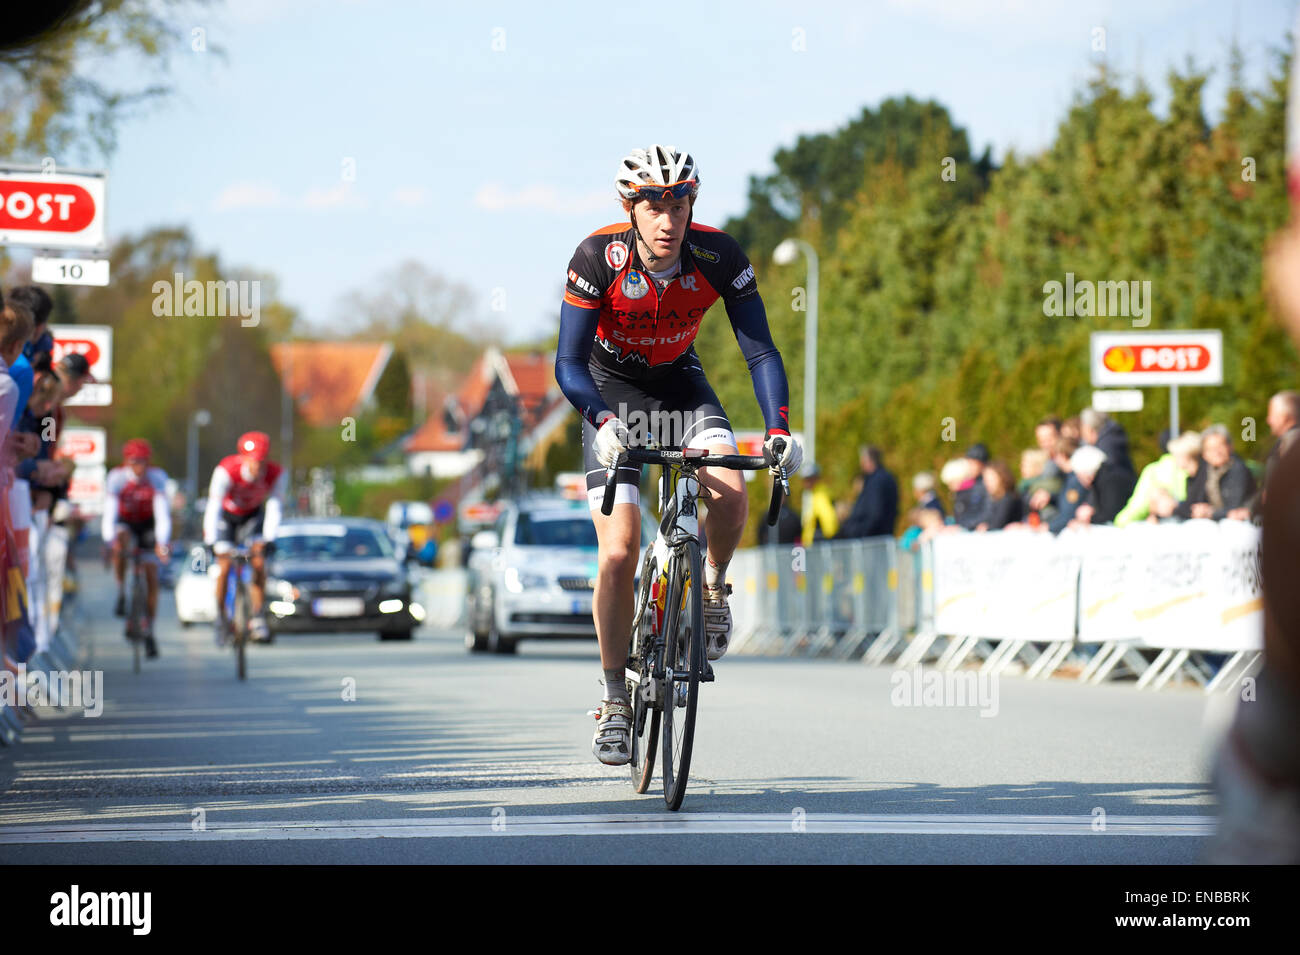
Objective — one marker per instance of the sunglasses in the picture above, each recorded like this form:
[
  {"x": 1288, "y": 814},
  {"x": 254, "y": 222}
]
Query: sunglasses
[{"x": 674, "y": 190}]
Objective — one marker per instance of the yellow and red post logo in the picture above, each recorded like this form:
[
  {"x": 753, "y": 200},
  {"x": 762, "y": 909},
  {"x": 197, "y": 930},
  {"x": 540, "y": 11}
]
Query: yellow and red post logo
[{"x": 1170, "y": 356}]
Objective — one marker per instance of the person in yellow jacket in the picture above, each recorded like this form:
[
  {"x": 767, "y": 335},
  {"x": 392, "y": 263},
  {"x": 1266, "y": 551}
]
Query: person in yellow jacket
[
  {"x": 819, "y": 521},
  {"x": 1163, "y": 483}
]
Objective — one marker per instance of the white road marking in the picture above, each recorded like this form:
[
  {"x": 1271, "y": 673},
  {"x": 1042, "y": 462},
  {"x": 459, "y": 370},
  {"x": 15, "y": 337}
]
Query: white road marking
[{"x": 814, "y": 823}]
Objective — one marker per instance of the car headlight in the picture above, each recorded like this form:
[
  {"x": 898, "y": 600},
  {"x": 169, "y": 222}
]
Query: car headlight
[
  {"x": 518, "y": 581},
  {"x": 282, "y": 589}
]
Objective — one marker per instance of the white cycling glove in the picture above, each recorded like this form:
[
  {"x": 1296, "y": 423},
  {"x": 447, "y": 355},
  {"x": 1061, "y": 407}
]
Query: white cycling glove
[
  {"x": 611, "y": 441},
  {"x": 791, "y": 455}
]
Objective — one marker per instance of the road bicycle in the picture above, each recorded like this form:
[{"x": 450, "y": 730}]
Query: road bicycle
[
  {"x": 666, "y": 659},
  {"x": 238, "y": 610}
]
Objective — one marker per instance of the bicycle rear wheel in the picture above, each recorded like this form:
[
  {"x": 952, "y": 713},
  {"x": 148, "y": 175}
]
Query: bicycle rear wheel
[
  {"x": 683, "y": 667},
  {"x": 645, "y": 699},
  {"x": 645, "y": 729}
]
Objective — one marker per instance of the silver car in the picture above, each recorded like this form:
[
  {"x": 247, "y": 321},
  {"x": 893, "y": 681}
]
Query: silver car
[{"x": 532, "y": 576}]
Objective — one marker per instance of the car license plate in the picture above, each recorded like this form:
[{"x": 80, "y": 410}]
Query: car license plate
[{"x": 338, "y": 607}]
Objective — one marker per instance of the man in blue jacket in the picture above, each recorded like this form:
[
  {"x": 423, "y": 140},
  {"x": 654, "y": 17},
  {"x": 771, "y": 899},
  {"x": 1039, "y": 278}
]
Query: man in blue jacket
[{"x": 875, "y": 512}]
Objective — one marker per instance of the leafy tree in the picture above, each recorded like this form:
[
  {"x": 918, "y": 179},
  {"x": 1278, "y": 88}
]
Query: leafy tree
[
  {"x": 51, "y": 105},
  {"x": 932, "y": 310}
]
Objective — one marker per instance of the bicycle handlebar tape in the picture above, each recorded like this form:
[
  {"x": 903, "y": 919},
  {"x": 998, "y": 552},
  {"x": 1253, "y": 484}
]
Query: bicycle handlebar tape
[
  {"x": 774, "y": 509},
  {"x": 611, "y": 478}
]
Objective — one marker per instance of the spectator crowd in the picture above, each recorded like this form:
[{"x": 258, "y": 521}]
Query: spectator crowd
[
  {"x": 34, "y": 480},
  {"x": 1080, "y": 471}
]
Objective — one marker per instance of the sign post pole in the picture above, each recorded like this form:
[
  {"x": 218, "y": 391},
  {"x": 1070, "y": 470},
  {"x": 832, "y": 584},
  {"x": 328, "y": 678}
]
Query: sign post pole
[{"x": 1173, "y": 412}]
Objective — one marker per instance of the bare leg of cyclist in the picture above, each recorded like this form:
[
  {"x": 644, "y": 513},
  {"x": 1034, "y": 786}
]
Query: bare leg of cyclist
[
  {"x": 257, "y": 558},
  {"x": 614, "y": 601},
  {"x": 119, "y": 569},
  {"x": 724, "y": 520},
  {"x": 257, "y": 590},
  {"x": 223, "y": 574},
  {"x": 613, "y": 605},
  {"x": 151, "y": 583}
]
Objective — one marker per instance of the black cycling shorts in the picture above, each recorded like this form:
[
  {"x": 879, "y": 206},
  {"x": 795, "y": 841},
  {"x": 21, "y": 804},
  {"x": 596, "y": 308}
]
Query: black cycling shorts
[
  {"x": 142, "y": 531},
  {"x": 237, "y": 529},
  {"x": 677, "y": 409}
]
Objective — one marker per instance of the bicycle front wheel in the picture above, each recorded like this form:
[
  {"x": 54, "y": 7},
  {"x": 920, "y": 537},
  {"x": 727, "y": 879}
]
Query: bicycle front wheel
[
  {"x": 683, "y": 667},
  {"x": 243, "y": 613},
  {"x": 135, "y": 616}
]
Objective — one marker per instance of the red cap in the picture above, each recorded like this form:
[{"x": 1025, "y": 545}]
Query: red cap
[
  {"x": 255, "y": 444},
  {"x": 137, "y": 449}
]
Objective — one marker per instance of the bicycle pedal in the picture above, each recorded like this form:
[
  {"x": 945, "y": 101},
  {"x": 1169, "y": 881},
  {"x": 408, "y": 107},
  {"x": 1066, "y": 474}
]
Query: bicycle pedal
[{"x": 707, "y": 675}]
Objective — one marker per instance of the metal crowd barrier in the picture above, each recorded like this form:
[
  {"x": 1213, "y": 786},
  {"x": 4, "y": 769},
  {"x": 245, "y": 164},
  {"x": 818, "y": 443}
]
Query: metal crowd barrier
[
  {"x": 831, "y": 598},
  {"x": 1013, "y": 600},
  {"x": 443, "y": 594}
]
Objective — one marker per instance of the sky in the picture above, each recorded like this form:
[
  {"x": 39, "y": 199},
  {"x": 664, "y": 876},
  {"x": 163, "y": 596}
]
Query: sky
[{"x": 335, "y": 139}]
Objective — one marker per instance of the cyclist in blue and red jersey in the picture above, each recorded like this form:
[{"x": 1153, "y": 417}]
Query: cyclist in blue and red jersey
[
  {"x": 245, "y": 500},
  {"x": 635, "y": 296},
  {"x": 135, "y": 505}
]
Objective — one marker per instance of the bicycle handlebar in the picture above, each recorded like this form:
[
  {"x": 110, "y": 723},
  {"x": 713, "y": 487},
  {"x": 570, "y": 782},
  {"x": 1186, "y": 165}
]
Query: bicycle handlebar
[{"x": 700, "y": 457}]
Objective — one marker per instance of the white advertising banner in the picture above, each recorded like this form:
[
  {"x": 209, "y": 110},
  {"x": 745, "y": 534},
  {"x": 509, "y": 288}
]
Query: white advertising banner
[
  {"x": 1240, "y": 623},
  {"x": 1005, "y": 584},
  {"x": 1108, "y": 578},
  {"x": 1192, "y": 586}
]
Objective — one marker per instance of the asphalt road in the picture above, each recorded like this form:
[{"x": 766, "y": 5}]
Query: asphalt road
[{"x": 342, "y": 749}]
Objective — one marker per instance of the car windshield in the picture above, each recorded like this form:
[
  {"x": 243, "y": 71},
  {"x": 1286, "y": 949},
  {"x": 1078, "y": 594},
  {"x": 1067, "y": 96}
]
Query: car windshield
[
  {"x": 555, "y": 530},
  {"x": 330, "y": 542}
]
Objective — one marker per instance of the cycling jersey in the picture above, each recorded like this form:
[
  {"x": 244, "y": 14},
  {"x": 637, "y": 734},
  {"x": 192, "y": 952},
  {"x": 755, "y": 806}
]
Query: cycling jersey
[
  {"x": 233, "y": 495},
  {"x": 643, "y": 333},
  {"x": 136, "y": 503}
]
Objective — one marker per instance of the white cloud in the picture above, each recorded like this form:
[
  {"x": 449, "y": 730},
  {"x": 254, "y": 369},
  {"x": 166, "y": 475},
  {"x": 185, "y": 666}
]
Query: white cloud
[
  {"x": 410, "y": 195},
  {"x": 248, "y": 195},
  {"x": 495, "y": 198},
  {"x": 338, "y": 196}
]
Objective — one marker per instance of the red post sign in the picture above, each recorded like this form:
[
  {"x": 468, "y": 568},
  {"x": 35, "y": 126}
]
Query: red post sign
[{"x": 63, "y": 210}]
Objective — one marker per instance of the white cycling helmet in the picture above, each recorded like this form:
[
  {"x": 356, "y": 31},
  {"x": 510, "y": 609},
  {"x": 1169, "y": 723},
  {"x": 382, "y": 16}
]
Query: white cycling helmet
[{"x": 663, "y": 166}]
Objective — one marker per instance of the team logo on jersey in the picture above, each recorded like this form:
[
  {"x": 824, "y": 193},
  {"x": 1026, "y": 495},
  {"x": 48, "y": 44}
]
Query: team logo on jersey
[
  {"x": 634, "y": 286},
  {"x": 616, "y": 254},
  {"x": 704, "y": 254},
  {"x": 583, "y": 284},
  {"x": 688, "y": 282},
  {"x": 743, "y": 278}
]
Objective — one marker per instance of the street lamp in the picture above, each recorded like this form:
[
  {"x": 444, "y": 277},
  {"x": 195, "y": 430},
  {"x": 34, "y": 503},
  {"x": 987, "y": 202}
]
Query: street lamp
[
  {"x": 200, "y": 419},
  {"x": 785, "y": 254}
]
